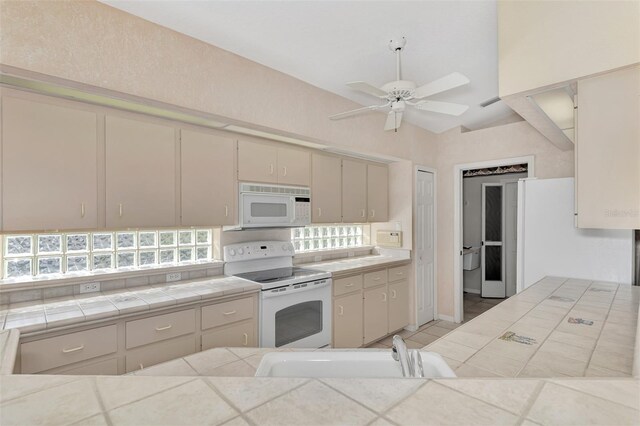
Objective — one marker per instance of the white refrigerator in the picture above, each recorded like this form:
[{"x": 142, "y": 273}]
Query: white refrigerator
[{"x": 549, "y": 244}]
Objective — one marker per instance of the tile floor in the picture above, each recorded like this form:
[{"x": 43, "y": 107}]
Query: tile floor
[{"x": 474, "y": 305}]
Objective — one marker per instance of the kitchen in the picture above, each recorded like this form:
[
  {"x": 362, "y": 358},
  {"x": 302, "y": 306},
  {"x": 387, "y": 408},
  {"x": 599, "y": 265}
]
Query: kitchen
[{"x": 144, "y": 240}]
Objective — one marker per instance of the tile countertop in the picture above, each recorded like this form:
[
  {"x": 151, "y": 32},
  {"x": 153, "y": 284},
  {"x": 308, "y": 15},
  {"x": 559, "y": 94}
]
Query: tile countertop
[
  {"x": 52, "y": 313},
  {"x": 357, "y": 264}
]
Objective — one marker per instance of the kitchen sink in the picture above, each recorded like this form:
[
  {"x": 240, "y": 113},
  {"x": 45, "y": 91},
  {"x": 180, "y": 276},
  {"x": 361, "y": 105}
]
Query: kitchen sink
[{"x": 356, "y": 363}]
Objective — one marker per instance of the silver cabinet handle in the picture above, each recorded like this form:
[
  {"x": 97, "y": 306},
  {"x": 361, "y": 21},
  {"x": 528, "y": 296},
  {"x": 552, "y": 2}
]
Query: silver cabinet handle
[
  {"x": 76, "y": 349},
  {"x": 349, "y": 285},
  {"x": 270, "y": 169},
  {"x": 373, "y": 213},
  {"x": 246, "y": 339},
  {"x": 81, "y": 209},
  {"x": 120, "y": 209},
  {"x": 226, "y": 211},
  {"x": 166, "y": 327},
  {"x": 229, "y": 313},
  {"x": 284, "y": 170},
  {"x": 364, "y": 213},
  {"x": 319, "y": 211},
  {"x": 384, "y": 297},
  {"x": 376, "y": 278},
  {"x": 341, "y": 310},
  {"x": 393, "y": 294}
]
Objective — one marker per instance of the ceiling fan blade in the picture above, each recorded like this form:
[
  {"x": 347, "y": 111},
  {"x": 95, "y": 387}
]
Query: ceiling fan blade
[
  {"x": 368, "y": 89},
  {"x": 442, "y": 107},
  {"x": 448, "y": 82},
  {"x": 393, "y": 120},
  {"x": 356, "y": 111}
]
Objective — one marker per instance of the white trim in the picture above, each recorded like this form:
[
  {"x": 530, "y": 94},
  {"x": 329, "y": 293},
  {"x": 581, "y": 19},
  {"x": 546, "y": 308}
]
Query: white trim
[
  {"x": 435, "y": 237},
  {"x": 471, "y": 290},
  {"x": 446, "y": 318},
  {"x": 411, "y": 327},
  {"x": 458, "y": 308}
]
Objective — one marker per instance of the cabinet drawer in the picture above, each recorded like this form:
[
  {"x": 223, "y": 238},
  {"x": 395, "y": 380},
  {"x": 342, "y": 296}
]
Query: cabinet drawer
[
  {"x": 108, "y": 367},
  {"x": 227, "y": 312},
  {"x": 160, "y": 352},
  {"x": 235, "y": 336},
  {"x": 372, "y": 279},
  {"x": 398, "y": 273},
  {"x": 57, "y": 351},
  {"x": 161, "y": 327},
  {"x": 347, "y": 285}
]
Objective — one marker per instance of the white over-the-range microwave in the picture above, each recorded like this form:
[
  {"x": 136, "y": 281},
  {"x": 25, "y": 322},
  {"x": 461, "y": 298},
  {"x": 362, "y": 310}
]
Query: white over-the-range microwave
[{"x": 272, "y": 206}]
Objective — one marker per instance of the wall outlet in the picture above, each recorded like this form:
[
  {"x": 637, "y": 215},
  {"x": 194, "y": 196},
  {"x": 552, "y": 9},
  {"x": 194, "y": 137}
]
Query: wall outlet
[
  {"x": 89, "y": 287},
  {"x": 175, "y": 276}
]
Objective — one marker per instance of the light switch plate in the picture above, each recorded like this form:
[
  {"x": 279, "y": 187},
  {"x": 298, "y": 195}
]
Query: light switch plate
[
  {"x": 89, "y": 287},
  {"x": 174, "y": 276}
]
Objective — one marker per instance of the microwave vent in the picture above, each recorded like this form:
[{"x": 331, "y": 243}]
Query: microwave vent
[{"x": 274, "y": 189}]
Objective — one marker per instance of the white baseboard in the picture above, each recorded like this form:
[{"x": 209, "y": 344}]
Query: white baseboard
[
  {"x": 471, "y": 290},
  {"x": 446, "y": 318},
  {"x": 411, "y": 327}
]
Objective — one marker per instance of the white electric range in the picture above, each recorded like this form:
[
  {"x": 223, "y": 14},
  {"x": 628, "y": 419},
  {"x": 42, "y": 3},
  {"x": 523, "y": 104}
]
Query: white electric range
[{"x": 295, "y": 303}]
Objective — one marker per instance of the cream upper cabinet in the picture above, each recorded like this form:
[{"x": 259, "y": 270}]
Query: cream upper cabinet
[
  {"x": 263, "y": 162},
  {"x": 293, "y": 167},
  {"x": 257, "y": 162},
  {"x": 377, "y": 193},
  {"x": 398, "y": 305},
  {"x": 208, "y": 179},
  {"x": 49, "y": 174},
  {"x": 326, "y": 187},
  {"x": 348, "y": 321},
  {"x": 608, "y": 151},
  {"x": 140, "y": 174},
  {"x": 354, "y": 191}
]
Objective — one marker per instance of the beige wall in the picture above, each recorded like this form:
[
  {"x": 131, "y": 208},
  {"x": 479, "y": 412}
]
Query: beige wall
[
  {"x": 547, "y": 42},
  {"x": 454, "y": 147}
]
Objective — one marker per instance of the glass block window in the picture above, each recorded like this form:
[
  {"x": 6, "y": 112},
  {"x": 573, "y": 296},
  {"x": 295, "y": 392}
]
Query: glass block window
[
  {"x": 331, "y": 237},
  {"x": 29, "y": 255}
]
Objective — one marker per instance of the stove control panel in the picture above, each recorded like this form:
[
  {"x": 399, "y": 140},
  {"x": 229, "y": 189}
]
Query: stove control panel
[{"x": 257, "y": 250}]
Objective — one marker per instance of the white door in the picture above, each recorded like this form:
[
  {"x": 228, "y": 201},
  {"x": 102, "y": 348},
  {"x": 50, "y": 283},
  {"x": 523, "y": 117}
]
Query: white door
[
  {"x": 510, "y": 237},
  {"x": 492, "y": 257},
  {"x": 424, "y": 246}
]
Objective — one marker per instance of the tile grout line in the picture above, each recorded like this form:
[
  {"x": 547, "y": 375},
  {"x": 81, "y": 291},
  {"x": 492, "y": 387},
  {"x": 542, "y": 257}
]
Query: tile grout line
[
  {"x": 604, "y": 322},
  {"x": 322, "y": 380},
  {"x": 71, "y": 380},
  {"x": 96, "y": 391},
  {"x": 531, "y": 401},
  {"x": 241, "y": 414},
  {"x": 384, "y": 414},
  {"x": 153, "y": 394},
  {"x": 592, "y": 395}
]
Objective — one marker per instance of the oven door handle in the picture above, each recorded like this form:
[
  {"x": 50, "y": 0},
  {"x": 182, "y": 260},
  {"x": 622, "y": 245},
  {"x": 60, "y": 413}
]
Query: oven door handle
[{"x": 291, "y": 290}]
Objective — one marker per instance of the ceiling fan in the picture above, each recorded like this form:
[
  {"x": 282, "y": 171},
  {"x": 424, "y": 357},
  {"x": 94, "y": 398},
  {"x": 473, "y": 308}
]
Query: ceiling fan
[{"x": 400, "y": 93}]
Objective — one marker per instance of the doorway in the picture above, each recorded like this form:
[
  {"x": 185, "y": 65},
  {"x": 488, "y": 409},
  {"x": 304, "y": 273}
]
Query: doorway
[
  {"x": 425, "y": 253},
  {"x": 469, "y": 239}
]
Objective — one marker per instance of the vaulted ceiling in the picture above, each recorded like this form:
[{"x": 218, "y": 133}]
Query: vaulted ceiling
[{"x": 329, "y": 43}]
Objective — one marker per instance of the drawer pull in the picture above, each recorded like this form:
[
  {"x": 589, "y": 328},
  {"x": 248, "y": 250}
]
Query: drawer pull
[
  {"x": 81, "y": 209},
  {"x": 120, "y": 210},
  {"x": 399, "y": 273},
  {"x": 246, "y": 339},
  {"x": 226, "y": 211},
  {"x": 229, "y": 313},
  {"x": 76, "y": 349},
  {"x": 166, "y": 327},
  {"x": 376, "y": 279},
  {"x": 349, "y": 285}
]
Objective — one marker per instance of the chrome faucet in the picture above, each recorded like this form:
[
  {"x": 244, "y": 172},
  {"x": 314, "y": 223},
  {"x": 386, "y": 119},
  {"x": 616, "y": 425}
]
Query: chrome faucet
[{"x": 410, "y": 361}]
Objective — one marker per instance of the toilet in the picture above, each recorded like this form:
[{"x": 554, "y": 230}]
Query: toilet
[{"x": 471, "y": 258}]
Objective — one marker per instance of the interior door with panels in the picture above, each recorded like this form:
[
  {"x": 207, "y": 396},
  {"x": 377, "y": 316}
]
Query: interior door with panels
[
  {"x": 257, "y": 162},
  {"x": 208, "y": 179},
  {"x": 293, "y": 167},
  {"x": 354, "y": 191},
  {"x": 49, "y": 166},
  {"x": 140, "y": 174},
  {"x": 377, "y": 193},
  {"x": 326, "y": 187}
]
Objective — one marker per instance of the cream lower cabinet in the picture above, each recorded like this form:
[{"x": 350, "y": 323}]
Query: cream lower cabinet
[
  {"x": 398, "y": 305},
  {"x": 348, "y": 321},
  {"x": 208, "y": 179},
  {"x": 140, "y": 174},
  {"x": 376, "y": 307},
  {"x": 49, "y": 169}
]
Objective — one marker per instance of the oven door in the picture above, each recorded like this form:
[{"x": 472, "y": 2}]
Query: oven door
[
  {"x": 296, "y": 317},
  {"x": 266, "y": 210}
]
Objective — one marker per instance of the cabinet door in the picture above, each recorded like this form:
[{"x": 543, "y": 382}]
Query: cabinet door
[
  {"x": 398, "y": 305},
  {"x": 326, "y": 187},
  {"x": 208, "y": 179},
  {"x": 354, "y": 191},
  {"x": 377, "y": 193},
  {"x": 140, "y": 178},
  {"x": 375, "y": 313},
  {"x": 347, "y": 321},
  {"x": 257, "y": 162},
  {"x": 608, "y": 151},
  {"x": 293, "y": 167},
  {"x": 49, "y": 176}
]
